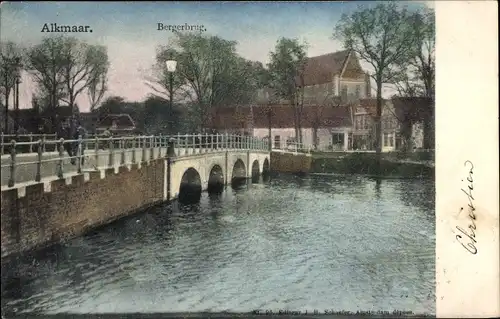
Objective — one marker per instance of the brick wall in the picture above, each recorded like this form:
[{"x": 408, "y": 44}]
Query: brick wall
[
  {"x": 43, "y": 217},
  {"x": 290, "y": 163}
]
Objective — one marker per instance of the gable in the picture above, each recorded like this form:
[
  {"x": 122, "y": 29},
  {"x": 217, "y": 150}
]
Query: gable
[
  {"x": 321, "y": 69},
  {"x": 353, "y": 69}
]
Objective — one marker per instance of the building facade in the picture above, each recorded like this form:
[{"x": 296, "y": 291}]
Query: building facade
[
  {"x": 326, "y": 77},
  {"x": 322, "y": 127}
]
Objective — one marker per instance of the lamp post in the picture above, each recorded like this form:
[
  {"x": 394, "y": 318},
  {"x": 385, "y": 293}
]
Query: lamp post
[
  {"x": 16, "y": 92},
  {"x": 270, "y": 141},
  {"x": 171, "y": 66}
]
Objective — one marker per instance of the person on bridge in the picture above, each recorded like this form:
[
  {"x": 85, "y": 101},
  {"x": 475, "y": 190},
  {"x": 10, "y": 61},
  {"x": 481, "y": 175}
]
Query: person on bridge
[
  {"x": 81, "y": 133},
  {"x": 64, "y": 131},
  {"x": 106, "y": 135}
]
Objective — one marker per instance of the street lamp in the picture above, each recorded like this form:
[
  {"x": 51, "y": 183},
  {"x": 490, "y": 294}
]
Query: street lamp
[
  {"x": 171, "y": 66},
  {"x": 16, "y": 93}
]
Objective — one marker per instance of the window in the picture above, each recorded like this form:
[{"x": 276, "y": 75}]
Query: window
[
  {"x": 344, "y": 91},
  {"x": 277, "y": 141},
  {"x": 358, "y": 123},
  {"x": 337, "y": 138},
  {"x": 358, "y": 91},
  {"x": 365, "y": 122},
  {"x": 391, "y": 140},
  {"x": 386, "y": 137}
]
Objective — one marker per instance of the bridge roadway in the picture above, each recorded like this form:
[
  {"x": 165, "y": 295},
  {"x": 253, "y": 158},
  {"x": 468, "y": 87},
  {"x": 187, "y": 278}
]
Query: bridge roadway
[{"x": 26, "y": 163}]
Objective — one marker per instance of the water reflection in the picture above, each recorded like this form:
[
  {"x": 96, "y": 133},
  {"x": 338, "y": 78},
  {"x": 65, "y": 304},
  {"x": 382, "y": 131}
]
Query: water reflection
[{"x": 291, "y": 242}]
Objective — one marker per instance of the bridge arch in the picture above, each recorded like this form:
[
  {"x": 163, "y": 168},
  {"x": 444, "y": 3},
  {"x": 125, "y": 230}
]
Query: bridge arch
[
  {"x": 266, "y": 170},
  {"x": 255, "y": 171},
  {"x": 215, "y": 179},
  {"x": 239, "y": 173},
  {"x": 266, "y": 167},
  {"x": 191, "y": 186}
]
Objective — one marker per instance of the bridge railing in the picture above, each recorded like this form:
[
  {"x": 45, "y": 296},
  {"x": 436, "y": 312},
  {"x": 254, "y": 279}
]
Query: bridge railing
[
  {"x": 5, "y": 140},
  {"x": 294, "y": 147},
  {"x": 41, "y": 163}
]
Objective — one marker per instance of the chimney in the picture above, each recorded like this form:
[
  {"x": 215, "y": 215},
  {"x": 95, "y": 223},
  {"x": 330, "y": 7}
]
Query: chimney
[{"x": 368, "y": 86}]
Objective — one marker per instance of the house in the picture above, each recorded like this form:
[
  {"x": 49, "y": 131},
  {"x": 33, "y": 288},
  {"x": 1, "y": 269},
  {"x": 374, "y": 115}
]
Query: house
[
  {"x": 89, "y": 121},
  {"x": 118, "y": 124},
  {"x": 364, "y": 130},
  {"x": 322, "y": 126},
  {"x": 326, "y": 76},
  {"x": 407, "y": 122},
  {"x": 416, "y": 115},
  {"x": 27, "y": 121}
]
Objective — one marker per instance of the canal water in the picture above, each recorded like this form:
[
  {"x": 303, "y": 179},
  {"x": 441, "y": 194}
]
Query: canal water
[{"x": 295, "y": 243}]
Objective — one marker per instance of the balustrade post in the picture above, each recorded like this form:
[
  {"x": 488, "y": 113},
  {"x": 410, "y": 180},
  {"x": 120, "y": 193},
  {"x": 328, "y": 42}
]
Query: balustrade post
[
  {"x": 205, "y": 143},
  {"x": 151, "y": 148},
  {"x": 38, "y": 176},
  {"x": 2, "y": 141},
  {"x": 199, "y": 143},
  {"x": 79, "y": 155},
  {"x": 43, "y": 143},
  {"x": 143, "y": 144},
  {"x": 60, "y": 165},
  {"x": 96, "y": 149},
  {"x": 171, "y": 148},
  {"x": 178, "y": 139},
  {"x": 12, "y": 179},
  {"x": 226, "y": 142},
  {"x": 123, "y": 146},
  {"x": 159, "y": 144},
  {"x": 31, "y": 143},
  {"x": 133, "y": 150},
  {"x": 111, "y": 161},
  {"x": 194, "y": 143}
]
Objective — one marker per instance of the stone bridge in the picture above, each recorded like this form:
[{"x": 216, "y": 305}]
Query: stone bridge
[
  {"x": 45, "y": 198},
  {"x": 195, "y": 173}
]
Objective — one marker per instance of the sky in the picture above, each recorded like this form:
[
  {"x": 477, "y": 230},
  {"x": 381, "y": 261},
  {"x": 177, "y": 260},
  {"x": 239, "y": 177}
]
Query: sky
[{"x": 130, "y": 31}]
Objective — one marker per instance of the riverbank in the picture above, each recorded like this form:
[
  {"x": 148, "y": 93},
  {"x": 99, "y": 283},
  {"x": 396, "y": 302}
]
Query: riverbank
[{"x": 392, "y": 165}]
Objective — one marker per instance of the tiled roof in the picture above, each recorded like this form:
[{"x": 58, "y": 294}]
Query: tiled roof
[
  {"x": 231, "y": 117},
  {"x": 370, "y": 105},
  {"x": 321, "y": 69},
  {"x": 282, "y": 116},
  {"x": 413, "y": 108}
]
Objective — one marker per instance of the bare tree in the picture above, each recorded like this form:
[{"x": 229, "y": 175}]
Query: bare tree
[
  {"x": 416, "y": 75},
  {"x": 209, "y": 74},
  {"x": 158, "y": 79},
  {"x": 286, "y": 71},
  {"x": 84, "y": 65},
  {"x": 45, "y": 62},
  {"x": 97, "y": 84},
  {"x": 10, "y": 59},
  {"x": 382, "y": 36}
]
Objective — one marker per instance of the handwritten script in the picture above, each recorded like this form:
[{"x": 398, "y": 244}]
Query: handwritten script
[{"x": 467, "y": 237}]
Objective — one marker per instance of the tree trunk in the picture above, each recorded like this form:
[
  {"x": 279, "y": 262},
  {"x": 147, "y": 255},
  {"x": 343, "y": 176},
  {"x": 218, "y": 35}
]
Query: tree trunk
[
  {"x": 378, "y": 127},
  {"x": 301, "y": 108},
  {"x": 315, "y": 137},
  {"x": 406, "y": 127},
  {"x": 295, "y": 118},
  {"x": 7, "y": 94}
]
